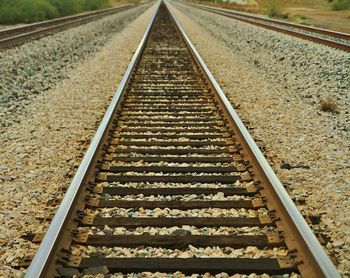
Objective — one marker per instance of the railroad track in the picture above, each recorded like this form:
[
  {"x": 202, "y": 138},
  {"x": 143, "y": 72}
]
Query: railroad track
[
  {"x": 326, "y": 37},
  {"x": 172, "y": 181},
  {"x": 15, "y": 36}
]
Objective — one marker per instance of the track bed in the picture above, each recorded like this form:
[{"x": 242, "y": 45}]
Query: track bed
[{"x": 171, "y": 186}]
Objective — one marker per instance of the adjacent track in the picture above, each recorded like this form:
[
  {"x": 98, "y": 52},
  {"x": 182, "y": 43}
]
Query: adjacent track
[
  {"x": 326, "y": 37},
  {"x": 172, "y": 155},
  {"x": 19, "y": 35}
]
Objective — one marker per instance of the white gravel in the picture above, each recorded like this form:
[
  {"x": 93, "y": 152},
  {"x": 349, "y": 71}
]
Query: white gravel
[
  {"x": 186, "y": 197},
  {"x": 157, "y": 212},
  {"x": 152, "y": 174},
  {"x": 276, "y": 84},
  {"x": 169, "y": 164},
  {"x": 45, "y": 139},
  {"x": 237, "y": 184},
  {"x": 189, "y": 252},
  {"x": 135, "y": 154},
  {"x": 183, "y": 230}
]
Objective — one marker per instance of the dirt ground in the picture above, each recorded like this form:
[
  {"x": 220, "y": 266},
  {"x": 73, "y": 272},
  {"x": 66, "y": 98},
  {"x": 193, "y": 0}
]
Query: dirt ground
[
  {"x": 334, "y": 20},
  {"x": 316, "y": 13}
]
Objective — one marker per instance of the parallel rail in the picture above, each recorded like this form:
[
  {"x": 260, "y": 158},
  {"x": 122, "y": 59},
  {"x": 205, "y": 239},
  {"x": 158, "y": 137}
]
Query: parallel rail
[
  {"x": 19, "y": 35},
  {"x": 326, "y": 37},
  {"x": 170, "y": 132}
]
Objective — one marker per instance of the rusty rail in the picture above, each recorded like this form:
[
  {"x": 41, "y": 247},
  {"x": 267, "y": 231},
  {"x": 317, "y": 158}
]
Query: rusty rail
[
  {"x": 16, "y": 36},
  {"x": 284, "y": 27},
  {"x": 169, "y": 110}
]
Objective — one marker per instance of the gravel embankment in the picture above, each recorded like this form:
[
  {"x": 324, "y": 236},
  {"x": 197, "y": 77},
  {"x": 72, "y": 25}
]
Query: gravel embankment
[
  {"x": 44, "y": 138},
  {"x": 277, "y": 84},
  {"x": 35, "y": 67}
]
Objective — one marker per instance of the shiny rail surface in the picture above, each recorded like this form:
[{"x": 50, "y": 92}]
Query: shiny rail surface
[
  {"x": 171, "y": 143},
  {"x": 326, "y": 37},
  {"x": 16, "y": 36}
]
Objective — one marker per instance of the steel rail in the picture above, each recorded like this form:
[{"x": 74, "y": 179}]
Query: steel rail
[
  {"x": 49, "y": 246},
  {"x": 331, "y": 33},
  {"x": 319, "y": 255},
  {"x": 282, "y": 27},
  {"x": 28, "y": 27},
  {"x": 39, "y": 264},
  {"x": 56, "y": 25}
]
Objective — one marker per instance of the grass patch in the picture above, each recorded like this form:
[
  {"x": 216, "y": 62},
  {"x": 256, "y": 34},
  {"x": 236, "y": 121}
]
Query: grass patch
[
  {"x": 339, "y": 5},
  {"x": 275, "y": 8},
  {"x": 24, "y": 11},
  {"x": 328, "y": 105},
  {"x": 299, "y": 18},
  {"x": 27, "y": 11}
]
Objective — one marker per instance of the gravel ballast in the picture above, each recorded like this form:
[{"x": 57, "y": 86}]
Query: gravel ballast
[
  {"x": 44, "y": 141},
  {"x": 189, "y": 252},
  {"x": 37, "y": 66},
  {"x": 277, "y": 84},
  {"x": 44, "y": 137}
]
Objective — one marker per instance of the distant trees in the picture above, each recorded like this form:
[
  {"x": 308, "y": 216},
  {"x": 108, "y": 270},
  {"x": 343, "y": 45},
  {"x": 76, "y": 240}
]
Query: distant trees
[
  {"x": 341, "y": 5},
  {"x": 26, "y": 11}
]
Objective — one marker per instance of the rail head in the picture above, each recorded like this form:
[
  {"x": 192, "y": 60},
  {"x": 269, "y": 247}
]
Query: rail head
[
  {"x": 57, "y": 227},
  {"x": 324, "y": 263}
]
